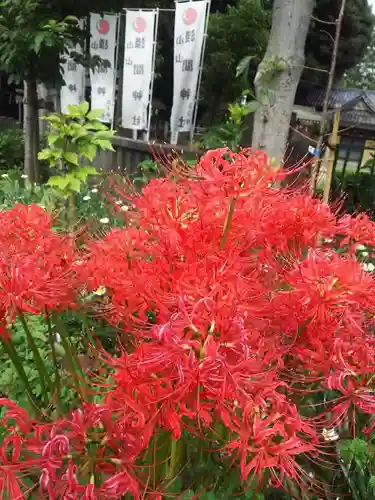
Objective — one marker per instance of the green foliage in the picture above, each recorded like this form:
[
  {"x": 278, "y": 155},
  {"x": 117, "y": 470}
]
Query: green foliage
[
  {"x": 241, "y": 31},
  {"x": 363, "y": 74},
  {"x": 229, "y": 133},
  {"x": 359, "y": 190},
  {"x": 355, "y": 38},
  {"x": 358, "y": 466},
  {"x": 15, "y": 188},
  {"x": 74, "y": 138},
  {"x": 10, "y": 384},
  {"x": 148, "y": 169},
  {"x": 31, "y": 44},
  {"x": 12, "y": 147}
]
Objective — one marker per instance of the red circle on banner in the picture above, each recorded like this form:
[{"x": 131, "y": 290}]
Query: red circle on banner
[
  {"x": 102, "y": 26},
  {"x": 190, "y": 16},
  {"x": 139, "y": 25}
]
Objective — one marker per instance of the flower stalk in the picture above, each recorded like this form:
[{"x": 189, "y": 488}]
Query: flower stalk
[{"x": 45, "y": 380}]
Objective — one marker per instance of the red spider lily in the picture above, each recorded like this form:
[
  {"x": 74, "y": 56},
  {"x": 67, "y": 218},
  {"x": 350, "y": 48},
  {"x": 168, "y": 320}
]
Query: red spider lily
[
  {"x": 359, "y": 229},
  {"x": 62, "y": 450},
  {"x": 237, "y": 318},
  {"x": 35, "y": 263}
]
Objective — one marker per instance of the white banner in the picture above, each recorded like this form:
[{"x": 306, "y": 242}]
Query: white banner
[
  {"x": 140, "y": 36},
  {"x": 189, "y": 33},
  {"x": 73, "y": 92},
  {"x": 103, "y": 80}
]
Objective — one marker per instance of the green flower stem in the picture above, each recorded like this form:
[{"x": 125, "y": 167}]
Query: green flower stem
[
  {"x": 17, "y": 363},
  {"x": 173, "y": 463},
  {"x": 55, "y": 364},
  {"x": 74, "y": 365},
  {"x": 45, "y": 380},
  {"x": 227, "y": 224}
]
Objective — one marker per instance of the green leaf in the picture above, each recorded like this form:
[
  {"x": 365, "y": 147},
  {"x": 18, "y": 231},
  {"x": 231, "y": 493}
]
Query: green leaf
[
  {"x": 71, "y": 158},
  {"x": 95, "y": 114},
  {"x": 45, "y": 154},
  {"x": 54, "y": 119},
  {"x": 209, "y": 495},
  {"x": 59, "y": 181},
  {"x": 89, "y": 151},
  {"x": 103, "y": 144},
  {"x": 83, "y": 108},
  {"x": 243, "y": 66},
  {"x": 59, "y": 350},
  {"x": 74, "y": 183},
  {"x": 52, "y": 138},
  {"x": 39, "y": 38},
  {"x": 73, "y": 111},
  {"x": 83, "y": 172},
  {"x": 96, "y": 125},
  {"x": 253, "y": 106},
  {"x": 371, "y": 483},
  {"x": 187, "y": 495},
  {"x": 105, "y": 134}
]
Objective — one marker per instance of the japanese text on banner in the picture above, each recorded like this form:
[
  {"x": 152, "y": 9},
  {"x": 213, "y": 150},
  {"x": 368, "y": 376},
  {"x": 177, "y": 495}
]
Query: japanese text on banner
[
  {"x": 103, "y": 44},
  {"x": 138, "y": 70},
  {"x": 73, "y": 92},
  {"x": 190, "y": 20}
]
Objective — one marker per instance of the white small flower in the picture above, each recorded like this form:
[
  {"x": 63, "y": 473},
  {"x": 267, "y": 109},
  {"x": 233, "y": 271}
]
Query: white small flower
[
  {"x": 100, "y": 291},
  {"x": 360, "y": 248},
  {"x": 58, "y": 338},
  {"x": 86, "y": 198},
  {"x": 364, "y": 254},
  {"x": 124, "y": 208},
  {"x": 24, "y": 176},
  {"x": 94, "y": 190},
  {"x": 370, "y": 267},
  {"x": 104, "y": 220},
  {"x": 4, "y": 176},
  {"x": 118, "y": 202},
  {"x": 328, "y": 240},
  {"x": 330, "y": 435}
]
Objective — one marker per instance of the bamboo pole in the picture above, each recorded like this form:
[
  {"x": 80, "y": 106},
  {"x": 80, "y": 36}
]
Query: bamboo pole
[
  {"x": 330, "y": 160},
  {"x": 316, "y": 161}
]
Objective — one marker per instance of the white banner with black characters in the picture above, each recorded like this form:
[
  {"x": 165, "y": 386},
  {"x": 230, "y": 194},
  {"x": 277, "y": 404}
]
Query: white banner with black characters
[
  {"x": 190, "y": 22},
  {"x": 140, "y": 36},
  {"x": 103, "y": 79},
  {"x": 73, "y": 92}
]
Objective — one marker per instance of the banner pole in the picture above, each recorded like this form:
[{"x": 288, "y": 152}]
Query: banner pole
[
  {"x": 156, "y": 25},
  {"x": 118, "y": 22},
  {"x": 197, "y": 96}
]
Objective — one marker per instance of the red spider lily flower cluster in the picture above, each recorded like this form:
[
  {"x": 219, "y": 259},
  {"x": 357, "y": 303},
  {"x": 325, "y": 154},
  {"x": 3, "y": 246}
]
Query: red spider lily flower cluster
[
  {"x": 237, "y": 314},
  {"x": 104, "y": 440},
  {"x": 249, "y": 309},
  {"x": 35, "y": 263}
]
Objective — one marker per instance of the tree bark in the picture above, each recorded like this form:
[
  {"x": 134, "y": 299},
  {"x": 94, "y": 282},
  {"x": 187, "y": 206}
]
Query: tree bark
[
  {"x": 31, "y": 130},
  {"x": 286, "y": 49}
]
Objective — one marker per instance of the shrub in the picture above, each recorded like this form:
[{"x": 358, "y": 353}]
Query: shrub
[
  {"x": 11, "y": 147},
  {"x": 245, "y": 351}
]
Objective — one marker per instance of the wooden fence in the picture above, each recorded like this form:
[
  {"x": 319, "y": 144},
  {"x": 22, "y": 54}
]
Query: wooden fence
[{"x": 129, "y": 153}]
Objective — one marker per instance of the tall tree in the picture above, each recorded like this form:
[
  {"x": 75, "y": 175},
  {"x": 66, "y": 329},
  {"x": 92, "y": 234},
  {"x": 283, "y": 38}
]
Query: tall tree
[
  {"x": 30, "y": 45},
  {"x": 279, "y": 73},
  {"x": 355, "y": 37},
  {"x": 35, "y": 35},
  {"x": 240, "y": 31},
  {"x": 247, "y": 34},
  {"x": 362, "y": 75}
]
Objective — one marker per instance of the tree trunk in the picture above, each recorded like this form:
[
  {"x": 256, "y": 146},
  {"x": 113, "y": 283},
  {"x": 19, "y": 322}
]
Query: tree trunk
[
  {"x": 31, "y": 130},
  {"x": 279, "y": 74}
]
